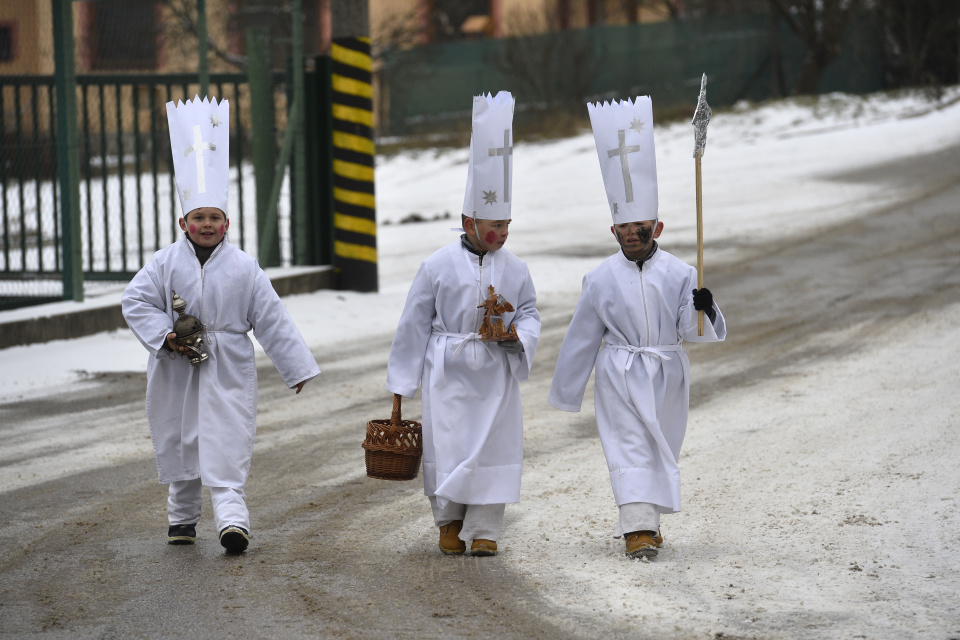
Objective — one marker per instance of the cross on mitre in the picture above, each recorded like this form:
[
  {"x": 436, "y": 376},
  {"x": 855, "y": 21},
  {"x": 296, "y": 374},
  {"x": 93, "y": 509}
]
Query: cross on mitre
[
  {"x": 197, "y": 147},
  {"x": 622, "y": 150},
  {"x": 506, "y": 151}
]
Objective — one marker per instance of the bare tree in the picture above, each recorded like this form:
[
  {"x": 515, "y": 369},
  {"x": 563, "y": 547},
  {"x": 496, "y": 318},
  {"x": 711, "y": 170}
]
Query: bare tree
[
  {"x": 555, "y": 68},
  {"x": 820, "y": 25},
  {"x": 396, "y": 29},
  {"x": 920, "y": 41},
  {"x": 680, "y": 9},
  {"x": 180, "y": 28},
  {"x": 183, "y": 22}
]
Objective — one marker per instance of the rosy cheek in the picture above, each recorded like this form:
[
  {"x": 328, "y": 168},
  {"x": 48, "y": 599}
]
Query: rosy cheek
[
  {"x": 221, "y": 229},
  {"x": 193, "y": 229},
  {"x": 491, "y": 237}
]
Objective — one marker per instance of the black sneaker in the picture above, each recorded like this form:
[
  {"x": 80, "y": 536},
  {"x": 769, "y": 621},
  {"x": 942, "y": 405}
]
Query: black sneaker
[
  {"x": 234, "y": 539},
  {"x": 182, "y": 533}
]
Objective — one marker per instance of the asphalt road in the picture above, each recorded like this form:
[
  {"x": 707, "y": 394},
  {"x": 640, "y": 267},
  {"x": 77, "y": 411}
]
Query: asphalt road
[{"x": 84, "y": 554}]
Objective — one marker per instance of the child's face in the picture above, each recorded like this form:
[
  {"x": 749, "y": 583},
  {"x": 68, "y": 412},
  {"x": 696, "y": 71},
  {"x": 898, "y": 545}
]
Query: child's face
[
  {"x": 492, "y": 233},
  {"x": 206, "y": 226},
  {"x": 636, "y": 238}
]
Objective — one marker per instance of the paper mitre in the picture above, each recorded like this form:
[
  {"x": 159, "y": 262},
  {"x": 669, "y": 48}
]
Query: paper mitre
[
  {"x": 489, "y": 175},
  {"x": 624, "y": 135},
  {"x": 200, "y": 144}
]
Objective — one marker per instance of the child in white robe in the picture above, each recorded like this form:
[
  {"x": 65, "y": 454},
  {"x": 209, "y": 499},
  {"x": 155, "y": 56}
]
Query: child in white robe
[
  {"x": 472, "y": 416},
  {"x": 639, "y": 305},
  {"x": 203, "y": 418}
]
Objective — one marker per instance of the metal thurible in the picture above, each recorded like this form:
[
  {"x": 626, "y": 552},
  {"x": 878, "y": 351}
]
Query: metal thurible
[{"x": 189, "y": 331}]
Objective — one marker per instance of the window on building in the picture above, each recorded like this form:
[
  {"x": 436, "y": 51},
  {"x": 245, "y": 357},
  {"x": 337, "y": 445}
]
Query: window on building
[
  {"x": 123, "y": 35},
  {"x": 6, "y": 43}
]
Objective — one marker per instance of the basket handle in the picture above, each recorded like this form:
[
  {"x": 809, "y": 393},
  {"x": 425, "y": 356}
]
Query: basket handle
[{"x": 395, "y": 417}]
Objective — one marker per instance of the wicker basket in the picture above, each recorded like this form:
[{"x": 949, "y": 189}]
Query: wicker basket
[{"x": 393, "y": 447}]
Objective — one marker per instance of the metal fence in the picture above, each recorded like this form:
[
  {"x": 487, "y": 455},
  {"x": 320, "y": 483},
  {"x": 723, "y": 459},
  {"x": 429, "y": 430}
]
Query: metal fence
[
  {"x": 745, "y": 56},
  {"x": 86, "y": 186},
  {"x": 128, "y": 201}
]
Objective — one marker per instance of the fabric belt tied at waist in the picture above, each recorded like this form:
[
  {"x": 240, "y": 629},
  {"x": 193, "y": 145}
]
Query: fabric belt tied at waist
[
  {"x": 207, "y": 332},
  {"x": 464, "y": 338},
  {"x": 657, "y": 351}
]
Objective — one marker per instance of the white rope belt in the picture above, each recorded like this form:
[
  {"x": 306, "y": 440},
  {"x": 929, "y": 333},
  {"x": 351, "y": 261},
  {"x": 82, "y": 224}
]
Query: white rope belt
[
  {"x": 464, "y": 339},
  {"x": 657, "y": 351}
]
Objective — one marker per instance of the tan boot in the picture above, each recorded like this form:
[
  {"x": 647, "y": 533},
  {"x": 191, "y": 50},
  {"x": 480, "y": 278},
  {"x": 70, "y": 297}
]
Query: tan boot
[
  {"x": 642, "y": 544},
  {"x": 481, "y": 547},
  {"x": 658, "y": 539},
  {"x": 450, "y": 543}
]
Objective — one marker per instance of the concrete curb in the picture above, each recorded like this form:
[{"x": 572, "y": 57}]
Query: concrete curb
[{"x": 88, "y": 321}]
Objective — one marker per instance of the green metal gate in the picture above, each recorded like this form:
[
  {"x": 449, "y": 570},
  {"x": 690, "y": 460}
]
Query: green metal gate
[{"x": 128, "y": 203}]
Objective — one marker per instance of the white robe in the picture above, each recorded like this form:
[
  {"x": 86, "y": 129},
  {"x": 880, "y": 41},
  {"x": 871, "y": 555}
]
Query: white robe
[
  {"x": 642, "y": 385},
  {"x": 472, "y": 418},
  {"x": 203, "y": 419}
]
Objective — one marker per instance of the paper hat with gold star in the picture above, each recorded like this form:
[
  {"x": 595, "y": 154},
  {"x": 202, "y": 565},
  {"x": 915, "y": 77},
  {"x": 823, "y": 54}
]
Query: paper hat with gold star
[
  {"x": 200, "y": 143},
  {"x": 489, "y": 192},
  {"x": 624, "y": 135}
]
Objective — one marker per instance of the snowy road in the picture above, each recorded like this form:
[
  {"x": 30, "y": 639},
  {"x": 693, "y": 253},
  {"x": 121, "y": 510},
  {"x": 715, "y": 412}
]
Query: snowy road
[{"x": 820, "y": 476}]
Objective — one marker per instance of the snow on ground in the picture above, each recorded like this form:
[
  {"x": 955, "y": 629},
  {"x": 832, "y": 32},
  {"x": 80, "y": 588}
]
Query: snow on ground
[
  {"x": 763, "y": 176},
  {"x": 811, "y": 529},
  {"x": 766, "y": 174}
]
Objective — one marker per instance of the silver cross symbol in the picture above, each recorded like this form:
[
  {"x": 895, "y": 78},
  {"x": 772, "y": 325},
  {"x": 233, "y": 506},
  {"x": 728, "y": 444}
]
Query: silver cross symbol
[
  {"x": 622, "y": 150},
  {"x": 198, "y": 146},
  {"x": 505, "y": 150}
]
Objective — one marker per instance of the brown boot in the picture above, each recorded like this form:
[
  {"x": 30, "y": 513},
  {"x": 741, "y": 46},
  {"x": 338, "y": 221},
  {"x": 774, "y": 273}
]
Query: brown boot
[
  {"x": 642, "y": 544},
  {"x": 481, "y": 547},
  {"x": 658, "y": 539},
  {"x": 450, "y": 543}
]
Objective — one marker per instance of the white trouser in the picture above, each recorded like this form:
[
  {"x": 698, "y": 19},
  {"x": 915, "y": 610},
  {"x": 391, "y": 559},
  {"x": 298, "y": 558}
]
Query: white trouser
[
  {"x": 637, "y": 516},
  {"x": 480, "y": 521},
  {"x": 229, "y": 505}
]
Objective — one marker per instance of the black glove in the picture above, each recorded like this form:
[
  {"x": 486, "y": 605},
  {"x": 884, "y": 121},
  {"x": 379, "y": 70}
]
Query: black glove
[
  {"x": 511, "y": 346},
  {"x": 703, "y": 301}
]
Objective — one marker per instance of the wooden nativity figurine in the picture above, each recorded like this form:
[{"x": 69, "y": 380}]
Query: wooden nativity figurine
[{"x": 492, "y": 328}]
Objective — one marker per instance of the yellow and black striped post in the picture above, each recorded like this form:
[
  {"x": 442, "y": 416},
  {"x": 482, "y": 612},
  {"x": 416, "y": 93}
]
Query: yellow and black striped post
[{"x": 354, "y": 206}]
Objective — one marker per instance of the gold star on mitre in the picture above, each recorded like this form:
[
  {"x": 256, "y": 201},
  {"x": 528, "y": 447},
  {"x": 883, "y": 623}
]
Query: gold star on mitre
[
  {"x": 615, "y": 206},
  {"x": 186, "y": 194},
  {"x": 490, "y": 197},
  {"x": 215, "y": 120},
  {"x": 637, "y": 125}
]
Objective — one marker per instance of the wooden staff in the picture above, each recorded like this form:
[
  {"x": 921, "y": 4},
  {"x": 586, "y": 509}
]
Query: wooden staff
[
  {"x": 699, "y": 240},
  {"x": 701, "y": 118}
]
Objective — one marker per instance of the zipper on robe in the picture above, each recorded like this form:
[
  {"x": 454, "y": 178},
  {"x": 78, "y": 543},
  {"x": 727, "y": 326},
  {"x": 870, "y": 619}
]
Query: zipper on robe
[
  {"x": 478, "y": 320},
  {"x": 643, "y": 295},
  {"x": 219, "y": 247}
]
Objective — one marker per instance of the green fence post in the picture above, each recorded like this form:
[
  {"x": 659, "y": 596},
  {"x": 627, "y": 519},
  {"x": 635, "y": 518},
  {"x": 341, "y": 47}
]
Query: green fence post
[
  {"x": 319, "y": 135},
  {"x": 203, "y": 68},
  {"x": 299, "y": 173},
  {"x": 262, "y": 119},
  {"x": 286, "y": 150},
  {"x": 68, "y": 165}
]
